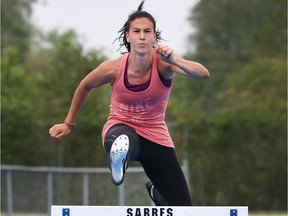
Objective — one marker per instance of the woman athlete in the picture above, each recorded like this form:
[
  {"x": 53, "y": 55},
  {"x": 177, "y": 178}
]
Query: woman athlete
[{"x": 135, "y": 129}]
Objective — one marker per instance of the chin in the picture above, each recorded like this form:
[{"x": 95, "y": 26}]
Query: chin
[{"x": 143, "y": 51}]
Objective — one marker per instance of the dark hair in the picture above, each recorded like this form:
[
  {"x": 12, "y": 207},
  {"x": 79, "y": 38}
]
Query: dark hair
[{"x": 134, "y": 15}]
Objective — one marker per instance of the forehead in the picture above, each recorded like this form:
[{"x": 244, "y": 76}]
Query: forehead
[{"x": 142, "y": 22}]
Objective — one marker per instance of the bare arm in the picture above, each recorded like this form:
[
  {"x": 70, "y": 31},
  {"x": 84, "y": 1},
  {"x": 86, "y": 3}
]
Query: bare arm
[
  {"x": 105, "y": 73},
  {"x": 172, "y": 63}
]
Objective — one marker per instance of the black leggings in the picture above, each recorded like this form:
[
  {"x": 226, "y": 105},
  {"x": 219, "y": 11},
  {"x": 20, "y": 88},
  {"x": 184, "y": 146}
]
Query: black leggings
[{"x": 160, "y": 164}]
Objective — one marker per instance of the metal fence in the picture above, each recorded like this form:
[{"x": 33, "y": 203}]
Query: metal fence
[{"x": 32, "y": 190}]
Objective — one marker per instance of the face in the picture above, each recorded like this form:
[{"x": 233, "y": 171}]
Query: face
[{"x": 141, "y": 35}]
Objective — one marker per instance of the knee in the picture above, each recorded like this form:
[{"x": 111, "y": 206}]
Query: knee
[{"x": 117, "y": 130}]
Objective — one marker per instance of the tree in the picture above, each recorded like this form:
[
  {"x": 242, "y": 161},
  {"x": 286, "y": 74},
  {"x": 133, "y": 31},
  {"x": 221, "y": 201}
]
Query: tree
[
  {"x": 16, "y": 81},
  {"x": 16, "y": 28},
  {"x": 230, "y": 32},
  {"x": 37, "y": 87},
  {"x": 68, "y": 65},
  {"x": 237, "y": 118}
]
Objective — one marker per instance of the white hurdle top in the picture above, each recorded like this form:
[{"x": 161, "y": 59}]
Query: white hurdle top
[{"x": 148, "y": 211}]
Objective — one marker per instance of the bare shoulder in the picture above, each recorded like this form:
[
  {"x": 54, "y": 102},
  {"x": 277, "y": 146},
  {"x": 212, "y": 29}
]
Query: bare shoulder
[
  {"x": 109, "y": 69},
  {"x": 106, "y": 72}
]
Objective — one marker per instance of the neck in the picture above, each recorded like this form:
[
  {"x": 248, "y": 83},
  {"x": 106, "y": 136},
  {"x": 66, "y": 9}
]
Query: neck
[{"x": 140, "y": 63}]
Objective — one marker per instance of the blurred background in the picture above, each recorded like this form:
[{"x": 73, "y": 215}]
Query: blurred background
[{"x": 230, "y": 131}]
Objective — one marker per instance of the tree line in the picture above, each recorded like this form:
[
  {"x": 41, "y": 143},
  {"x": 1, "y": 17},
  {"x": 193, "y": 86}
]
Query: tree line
[{"x": 232, "y": 128}]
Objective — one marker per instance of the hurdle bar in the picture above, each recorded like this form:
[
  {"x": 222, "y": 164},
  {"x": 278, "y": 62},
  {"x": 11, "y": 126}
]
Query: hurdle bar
[{"x": 58, "y": 210}]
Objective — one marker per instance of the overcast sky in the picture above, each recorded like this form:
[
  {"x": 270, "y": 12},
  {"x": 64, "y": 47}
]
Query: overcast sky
[{"x": 97, "y": 22}]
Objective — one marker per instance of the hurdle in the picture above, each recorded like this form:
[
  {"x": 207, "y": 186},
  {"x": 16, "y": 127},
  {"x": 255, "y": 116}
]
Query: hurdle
[{"x": 58, "y": 210}]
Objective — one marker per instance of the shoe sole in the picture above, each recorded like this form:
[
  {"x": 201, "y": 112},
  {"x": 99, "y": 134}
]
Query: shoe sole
[{"x": 118, "y": 158}]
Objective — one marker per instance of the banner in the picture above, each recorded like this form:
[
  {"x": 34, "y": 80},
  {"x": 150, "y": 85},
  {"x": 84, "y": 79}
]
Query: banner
[{"x": 148, "y": 211}]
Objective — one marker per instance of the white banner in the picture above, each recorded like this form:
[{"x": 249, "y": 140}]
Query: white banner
[{"x": 148, "y": 211}]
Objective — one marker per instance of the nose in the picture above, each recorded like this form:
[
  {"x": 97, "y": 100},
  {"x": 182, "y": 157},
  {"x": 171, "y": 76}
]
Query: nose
[{"x": 142, "y": 35}]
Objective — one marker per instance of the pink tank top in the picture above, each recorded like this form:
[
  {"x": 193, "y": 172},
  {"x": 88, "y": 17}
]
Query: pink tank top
[{"x": 145, "y": 110}]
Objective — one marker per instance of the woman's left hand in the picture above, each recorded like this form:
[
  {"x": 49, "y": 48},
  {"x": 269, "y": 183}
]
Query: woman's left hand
[{"x": 165, "y": 53}]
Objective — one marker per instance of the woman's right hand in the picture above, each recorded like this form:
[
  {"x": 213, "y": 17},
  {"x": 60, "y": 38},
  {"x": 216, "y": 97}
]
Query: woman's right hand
[{"x": 59, "y": 130}]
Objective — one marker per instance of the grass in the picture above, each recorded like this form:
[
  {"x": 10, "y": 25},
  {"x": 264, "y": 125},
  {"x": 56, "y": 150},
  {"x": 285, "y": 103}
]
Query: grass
[{"x": 268, "y": 214}]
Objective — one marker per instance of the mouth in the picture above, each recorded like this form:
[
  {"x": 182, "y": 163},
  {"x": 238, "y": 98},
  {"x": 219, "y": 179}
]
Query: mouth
[{"x": 142, "y": 44}]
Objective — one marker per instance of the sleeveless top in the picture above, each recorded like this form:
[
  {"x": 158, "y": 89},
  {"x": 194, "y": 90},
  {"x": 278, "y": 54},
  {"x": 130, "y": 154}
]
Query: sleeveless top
[{"x": 142, "y": 110}]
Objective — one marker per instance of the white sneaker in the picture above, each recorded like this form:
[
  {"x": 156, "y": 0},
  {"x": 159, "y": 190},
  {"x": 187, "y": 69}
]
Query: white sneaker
[{"x": 118, "y": 158}]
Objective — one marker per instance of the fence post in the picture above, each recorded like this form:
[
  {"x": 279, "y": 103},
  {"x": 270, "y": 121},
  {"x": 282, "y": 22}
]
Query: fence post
[
  {"x": 85, "y": 189},
  {"x": 121, "y": 201},
  {"x": 186, "y": 171},
  {"x": 49, "y": 191},
  {"x": 9, "y": 193}
]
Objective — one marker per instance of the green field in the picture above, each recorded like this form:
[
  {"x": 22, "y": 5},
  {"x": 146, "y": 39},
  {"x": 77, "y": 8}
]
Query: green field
[{"x": 267, "y": 214}]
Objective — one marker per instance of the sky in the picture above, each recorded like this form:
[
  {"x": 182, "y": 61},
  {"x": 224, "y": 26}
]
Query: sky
[{"x": 97, "y": 22}]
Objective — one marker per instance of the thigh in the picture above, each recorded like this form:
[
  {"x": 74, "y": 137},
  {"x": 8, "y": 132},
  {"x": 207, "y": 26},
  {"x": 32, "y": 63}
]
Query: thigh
[{"x": 163, "y": 168}]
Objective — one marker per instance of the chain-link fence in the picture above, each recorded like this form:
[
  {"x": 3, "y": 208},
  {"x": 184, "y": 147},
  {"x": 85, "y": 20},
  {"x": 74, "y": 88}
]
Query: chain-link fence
[{"x": 32, "y": 190}]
